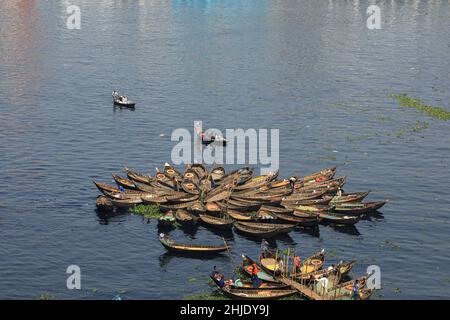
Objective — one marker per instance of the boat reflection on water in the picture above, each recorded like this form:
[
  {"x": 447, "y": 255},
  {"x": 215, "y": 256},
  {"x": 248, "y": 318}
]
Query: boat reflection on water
[
  {"x": 107, "y": 217},
  {"x": 350, "y": 230},
  {"x": 314, "y": 232},
  {"x": 219, "y": 258},
  {"x": 373, "y": 216},
  {"x": 122, "y": 109}
]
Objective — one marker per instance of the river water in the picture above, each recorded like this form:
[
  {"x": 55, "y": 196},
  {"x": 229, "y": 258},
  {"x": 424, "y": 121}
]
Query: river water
[{"x": 311, "y": 69}]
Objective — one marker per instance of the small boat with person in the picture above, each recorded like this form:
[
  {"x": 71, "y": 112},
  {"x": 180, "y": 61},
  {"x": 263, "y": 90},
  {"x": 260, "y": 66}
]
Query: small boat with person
[{"x": 122, "y": 101}]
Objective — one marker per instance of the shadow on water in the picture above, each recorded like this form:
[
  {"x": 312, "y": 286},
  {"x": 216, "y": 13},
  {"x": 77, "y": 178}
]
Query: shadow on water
[
  {"x": 350, "y": 230},
  {"x": 373, "y": 216},
  {"x": 314, "y": 232},
  {"x": 122, "y": 109},
  {"x": 107, "y": 217},
  {"x": 167, "y": 257}
]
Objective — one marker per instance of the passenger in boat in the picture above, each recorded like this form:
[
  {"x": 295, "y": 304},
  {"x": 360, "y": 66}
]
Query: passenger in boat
[
  {"x": 255, "y": 271},
  {"x": 163, "y": 237},
  {"x": 175, "y": 183},
  {"x": 264, "y": 247},
  {"x": 355, "y": 290},
  {"x": 339, "y": 192},
  {"x": 297, "y": 263},
  {"x": 331, "y": 268},
  {"x": 292, "y": 181},
  {"x": 215, "y": 273}
]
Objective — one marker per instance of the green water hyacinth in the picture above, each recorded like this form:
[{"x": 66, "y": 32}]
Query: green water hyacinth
[
  {"x": 147, "y": 211},
  {"x": 433, "y": 112}
]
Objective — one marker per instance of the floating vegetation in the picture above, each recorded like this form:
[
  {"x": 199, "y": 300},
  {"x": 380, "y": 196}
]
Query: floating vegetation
[
  {"x": 46, "y": 296},
  {"x": 433, "y": 112},
  {"x": 390, "y": 244},
  {"x": 147, "y": 211},
  {"x": 400, "y": 133},
  {"x": 420, "y": 126},
  {"x": 330, "y": 158}
]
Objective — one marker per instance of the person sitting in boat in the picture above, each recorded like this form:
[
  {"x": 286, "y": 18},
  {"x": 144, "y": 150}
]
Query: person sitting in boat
[
  {"x": 255, "y": 270},
  {"x": 297, "y": 263},
  {"x": 221, "y": 281},
  {"x": 355, "y": 290},
  {"x": 331, "y": 268},
  {"x": 292, "y": 181},
  {"x": 339, "y": 192},
  {"x": 215, "y": 273},
  {"x": 229, "y": 282},
  {"x": 264, "y": 247},
  {"x": 163, "y": 237}
]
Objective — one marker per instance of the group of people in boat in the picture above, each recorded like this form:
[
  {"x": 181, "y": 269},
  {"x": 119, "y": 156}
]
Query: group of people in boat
[{"x": 119, "y": 97}]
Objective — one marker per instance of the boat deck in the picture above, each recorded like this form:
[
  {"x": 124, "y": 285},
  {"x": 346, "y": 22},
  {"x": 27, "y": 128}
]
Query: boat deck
[{"x": 304, "y": 290}]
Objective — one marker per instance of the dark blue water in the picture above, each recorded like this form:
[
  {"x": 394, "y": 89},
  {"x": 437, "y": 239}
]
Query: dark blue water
[{"x": 309, "y": 68}]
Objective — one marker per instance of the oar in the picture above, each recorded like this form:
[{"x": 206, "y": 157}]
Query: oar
[{"x": 229, "y": 254}]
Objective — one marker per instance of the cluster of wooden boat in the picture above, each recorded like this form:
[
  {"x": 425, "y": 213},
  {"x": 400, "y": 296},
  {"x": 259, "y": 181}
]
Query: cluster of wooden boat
[
  {"x": 274, "y": 276},
  {"x": 259, "y": 206}
]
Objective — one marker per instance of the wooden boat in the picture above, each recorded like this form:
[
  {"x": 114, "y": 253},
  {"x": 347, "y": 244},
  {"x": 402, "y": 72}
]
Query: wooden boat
[
  {"x": 185, "y": 218},
  {"x": 103, "y": 187},
  {"x": 216, "y": 222},
  {"x": 213, "y": 207},
  {"x": 265, "y": 215},
  {"x": 351, "y": 197},
  {"x": 240, "y": 216},
  {"x": 256, "y": 294},
  {"x": 190, "y": 187},
  {"x": 345, "y": 267},
  {"x": 125, "y": 183},
  {"x": 283, "y": 227},
  {"x": 172, "y": 246},
  {"x": 171, "y": 172},
  {"x": 176, "y": 206},
  {"x": 339, "y": 218},
  {"x": 304, "y": 214},
  {"x": 197, "y": 207},
  {"x": 327, "y": 173},
  {"x": 310, "y": 202},
  {"x": 275, "y": 209},
  {"x": 152, "y": 198},
  {"x": 247, "y": 267},
  {"x": 312, "y": 209},
  {"x": 257, "y": 182},
  {"x": 313, "y": 263},
  {"x": 248, "y": 285},
  {"x": 125, "y": 202},
  {"x": 271, "y": 264},
  {"x": 247, "y": 206},
  {"x": 180, "y": 197},
  {"x": 306, "y": 195},
  {"x": 217, "y": 173},
  {"x": 303, "y": 222},
  {"x": 339, "y": 182},
  {"x": 237, "y": 177},
  {"x": 222, "y": 194},
  {"x": 345, "y": 289},
  {"x": 166, "y": 220},
  {"x": 358, "y": 208},
  {"x": 200, "y": 169},
  {"x": 259, "y": 232},
  {"x": 137, "y": 177},
  {"x": 104, "y": 204},
  {"x": 122, "y": 101},
  {"x": 191, "y": 175}
]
